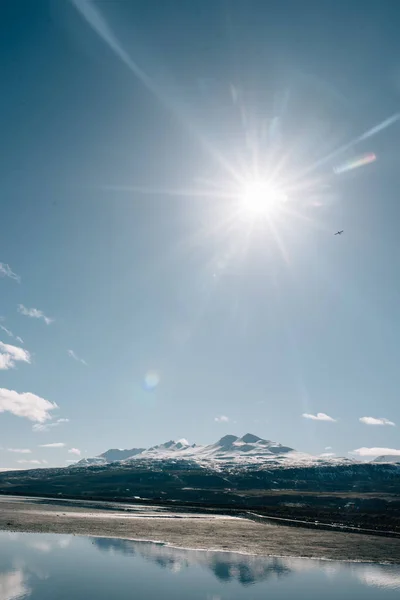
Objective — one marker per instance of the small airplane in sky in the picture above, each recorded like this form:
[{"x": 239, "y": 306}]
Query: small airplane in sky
[{"x": 339, "y": 232}]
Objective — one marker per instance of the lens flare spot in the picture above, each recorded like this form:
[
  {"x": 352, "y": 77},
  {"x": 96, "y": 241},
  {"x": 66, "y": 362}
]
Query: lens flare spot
[
  {"x": 151, "y": 380},
  {"x": 355, "y": 163}
]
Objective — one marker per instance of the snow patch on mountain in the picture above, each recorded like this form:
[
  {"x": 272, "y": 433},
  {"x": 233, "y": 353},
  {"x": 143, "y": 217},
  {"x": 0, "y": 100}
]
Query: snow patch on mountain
[
  {"x": 117, "y": 454},
  {"x": 387, "y": 458},
  {"x": 230, "y": 449}
]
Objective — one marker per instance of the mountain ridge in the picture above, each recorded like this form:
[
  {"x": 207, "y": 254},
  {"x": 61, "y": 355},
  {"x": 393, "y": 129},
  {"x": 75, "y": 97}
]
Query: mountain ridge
[
  {"x": 247, "y": 449},
  {"x": 235, "y": 472},
  {"x": 387, "y": 458}
]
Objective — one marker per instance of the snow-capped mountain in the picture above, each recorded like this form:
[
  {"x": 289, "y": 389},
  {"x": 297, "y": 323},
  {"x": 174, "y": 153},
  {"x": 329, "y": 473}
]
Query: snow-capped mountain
[
  {"x": 387, "y": 458},
  {"x": 116, "y": 454},
  {"x": 234, "y": 471},
  {"x": 110, "y": 456},
  {"x": 247, "y": 449}
]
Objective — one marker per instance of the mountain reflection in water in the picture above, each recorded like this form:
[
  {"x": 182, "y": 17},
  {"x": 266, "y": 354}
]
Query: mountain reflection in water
[
  {"x": 245, "y": 569},
  {"x": 49, "y": 567}
]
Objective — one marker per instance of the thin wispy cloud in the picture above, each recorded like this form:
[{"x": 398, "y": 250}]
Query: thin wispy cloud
[
  {"x": 72, "y": 354},
  {"x": 10, "y": 355},
  {"x": 53, "y": 445},
  {"x": 327, "y": 455},
  {"x": 375, "y": 421},
  {"x": 28, "y": 462},
  {"x": 328, "y": 448},
  {"x": 34, "y": 313},
  {"x": 74, "y": 451},
  {"x": 319, "y": 417},
  {"x": 376, "y": 452},
  {"x": 6, "y": 271},
  {"x": 7, "y": 331},
  {"x": 26, "y": 405},
  {"x": 71, "y": 462},
  {"x": 48, "y": 426},
  {"x": 222, "y": 419},
  {"x": 10, "y": 333},
  {"x": 20, "y": 450}
]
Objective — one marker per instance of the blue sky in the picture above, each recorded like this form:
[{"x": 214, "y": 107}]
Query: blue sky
[{"x": 141, "y": 298}]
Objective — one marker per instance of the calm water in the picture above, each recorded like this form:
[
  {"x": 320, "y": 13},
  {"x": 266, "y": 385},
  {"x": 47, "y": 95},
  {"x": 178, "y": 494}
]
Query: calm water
[{"x": 61, "y": 567}]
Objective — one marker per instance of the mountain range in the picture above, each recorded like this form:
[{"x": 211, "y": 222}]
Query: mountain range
[
  {"x": 249, "y": 449},
  {"x": 240, "y": 472},
  {"x": 387, "y": 458},
  {"x": 229, "y": 449}
]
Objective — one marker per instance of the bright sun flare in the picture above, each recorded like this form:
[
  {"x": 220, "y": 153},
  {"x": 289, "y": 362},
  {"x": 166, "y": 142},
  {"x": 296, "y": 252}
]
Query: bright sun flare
[{"x": 261, "y": 198}]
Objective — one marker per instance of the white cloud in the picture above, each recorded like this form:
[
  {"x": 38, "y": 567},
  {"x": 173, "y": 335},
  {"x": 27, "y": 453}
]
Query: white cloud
[
  {"x": 71, "y": 462},
  {"x": 74, "y": 451},
  {"x": 327, "y": 455},
  {"x": 12, "y": 585},
  {"x": 319, "y": 417},
  {"x": 28, "y": 462},
  {"x": 72, "y": 354},
  {"x": 6, "y": 271},
  {"x": 380, "y": 577},
  {"x": 328, "y": 448},
  {"x": 41, "y": 546},
  {"x": 26, "y": 405},
  {"x": 374, "y": 421},
  {"x": 54, "y": 445},
  {"x": 5, "y": 362},
  {"x": 222, "y": 419},
  {"x": 9, "y": 355},
  {"x": 48, "y": 426},
  {"x": 20, "y": 450},
  {"x": 35, "y": 313},
  {"x": 375, "y": 451}
]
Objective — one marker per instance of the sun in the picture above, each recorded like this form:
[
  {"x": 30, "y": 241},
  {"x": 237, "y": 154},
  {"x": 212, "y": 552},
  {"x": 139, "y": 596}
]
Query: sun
[{"x": 261, "y": 198}]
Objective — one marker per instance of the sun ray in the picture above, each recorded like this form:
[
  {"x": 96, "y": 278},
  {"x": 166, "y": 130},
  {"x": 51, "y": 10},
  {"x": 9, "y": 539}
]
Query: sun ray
[
  {"x": 199, "y": 193},
  {"x": 364, "y": 136},
  {"x": 95, "y": 19}
]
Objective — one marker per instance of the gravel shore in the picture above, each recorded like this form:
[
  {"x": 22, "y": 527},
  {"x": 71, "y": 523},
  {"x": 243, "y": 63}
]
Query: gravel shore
[{"x": 191, "y": 530}]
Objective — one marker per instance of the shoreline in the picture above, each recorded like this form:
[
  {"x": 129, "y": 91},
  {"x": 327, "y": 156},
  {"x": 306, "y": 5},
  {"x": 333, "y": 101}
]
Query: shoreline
[
  {"x": 242, "y": 552},
  {"x": 206, "y": 532}
]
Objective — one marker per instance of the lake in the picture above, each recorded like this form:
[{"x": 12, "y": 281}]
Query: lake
[{"x": 58, "y": 567}]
